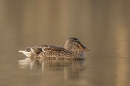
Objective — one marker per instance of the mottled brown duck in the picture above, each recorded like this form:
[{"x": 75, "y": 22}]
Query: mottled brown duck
[{"x": 72, "y": 49}]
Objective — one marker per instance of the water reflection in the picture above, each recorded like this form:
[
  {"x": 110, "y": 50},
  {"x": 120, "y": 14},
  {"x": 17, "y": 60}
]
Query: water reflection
[
  {"x": 122, "y": 53},
  {"x": 69, "y": 67}
]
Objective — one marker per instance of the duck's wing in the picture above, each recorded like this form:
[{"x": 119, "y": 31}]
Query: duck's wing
[
  {"x": 45, "y": 48},
  {"x": 36, "y": 50},
  {"x": 53, "y": 48}
]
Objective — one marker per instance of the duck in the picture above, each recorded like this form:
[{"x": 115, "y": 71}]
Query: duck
[{"x": 72, "y": 49}]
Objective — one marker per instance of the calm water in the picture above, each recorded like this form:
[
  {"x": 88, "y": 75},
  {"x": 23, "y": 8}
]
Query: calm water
[{"x": 103, "y": 27}]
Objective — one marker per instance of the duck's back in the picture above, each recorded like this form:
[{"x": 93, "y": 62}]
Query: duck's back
[
  {"x": 41, "y": 52},
  {"x": 52, "y": 52}
]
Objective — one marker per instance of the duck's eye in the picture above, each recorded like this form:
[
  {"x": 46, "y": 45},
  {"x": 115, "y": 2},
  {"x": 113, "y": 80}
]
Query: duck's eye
[{"x": 75, "y": 40}]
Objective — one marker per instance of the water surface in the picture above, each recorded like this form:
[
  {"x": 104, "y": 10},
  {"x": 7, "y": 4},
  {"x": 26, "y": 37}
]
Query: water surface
[{"x": 103, "y": 27}]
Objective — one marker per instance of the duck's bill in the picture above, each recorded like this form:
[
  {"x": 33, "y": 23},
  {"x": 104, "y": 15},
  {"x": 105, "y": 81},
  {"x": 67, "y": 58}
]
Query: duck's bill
[
  {"x": 83, "y": 48},
  {"x": 86, "y": 49}
]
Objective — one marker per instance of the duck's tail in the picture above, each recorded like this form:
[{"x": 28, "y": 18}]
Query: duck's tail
[{"x": 26, "y": 53}]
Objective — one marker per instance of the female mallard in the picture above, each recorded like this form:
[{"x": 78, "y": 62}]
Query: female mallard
[{"x": 72, "y": 49}]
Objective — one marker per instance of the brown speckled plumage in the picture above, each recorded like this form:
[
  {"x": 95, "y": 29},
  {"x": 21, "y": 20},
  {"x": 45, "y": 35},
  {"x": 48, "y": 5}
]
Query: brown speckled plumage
[{"x": 72, "y": 49}]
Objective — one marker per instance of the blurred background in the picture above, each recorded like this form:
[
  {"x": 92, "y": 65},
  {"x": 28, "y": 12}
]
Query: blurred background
[
  {"x": 101, "y": 25},
  {"x": 57, "y": 20}
]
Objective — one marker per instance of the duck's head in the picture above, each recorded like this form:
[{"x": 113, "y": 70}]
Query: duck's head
[{"x": 74, "y": 43}]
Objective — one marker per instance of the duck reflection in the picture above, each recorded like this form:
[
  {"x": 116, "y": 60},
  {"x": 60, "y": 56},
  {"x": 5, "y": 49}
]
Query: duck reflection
[{"x": 53, "y": 65}]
